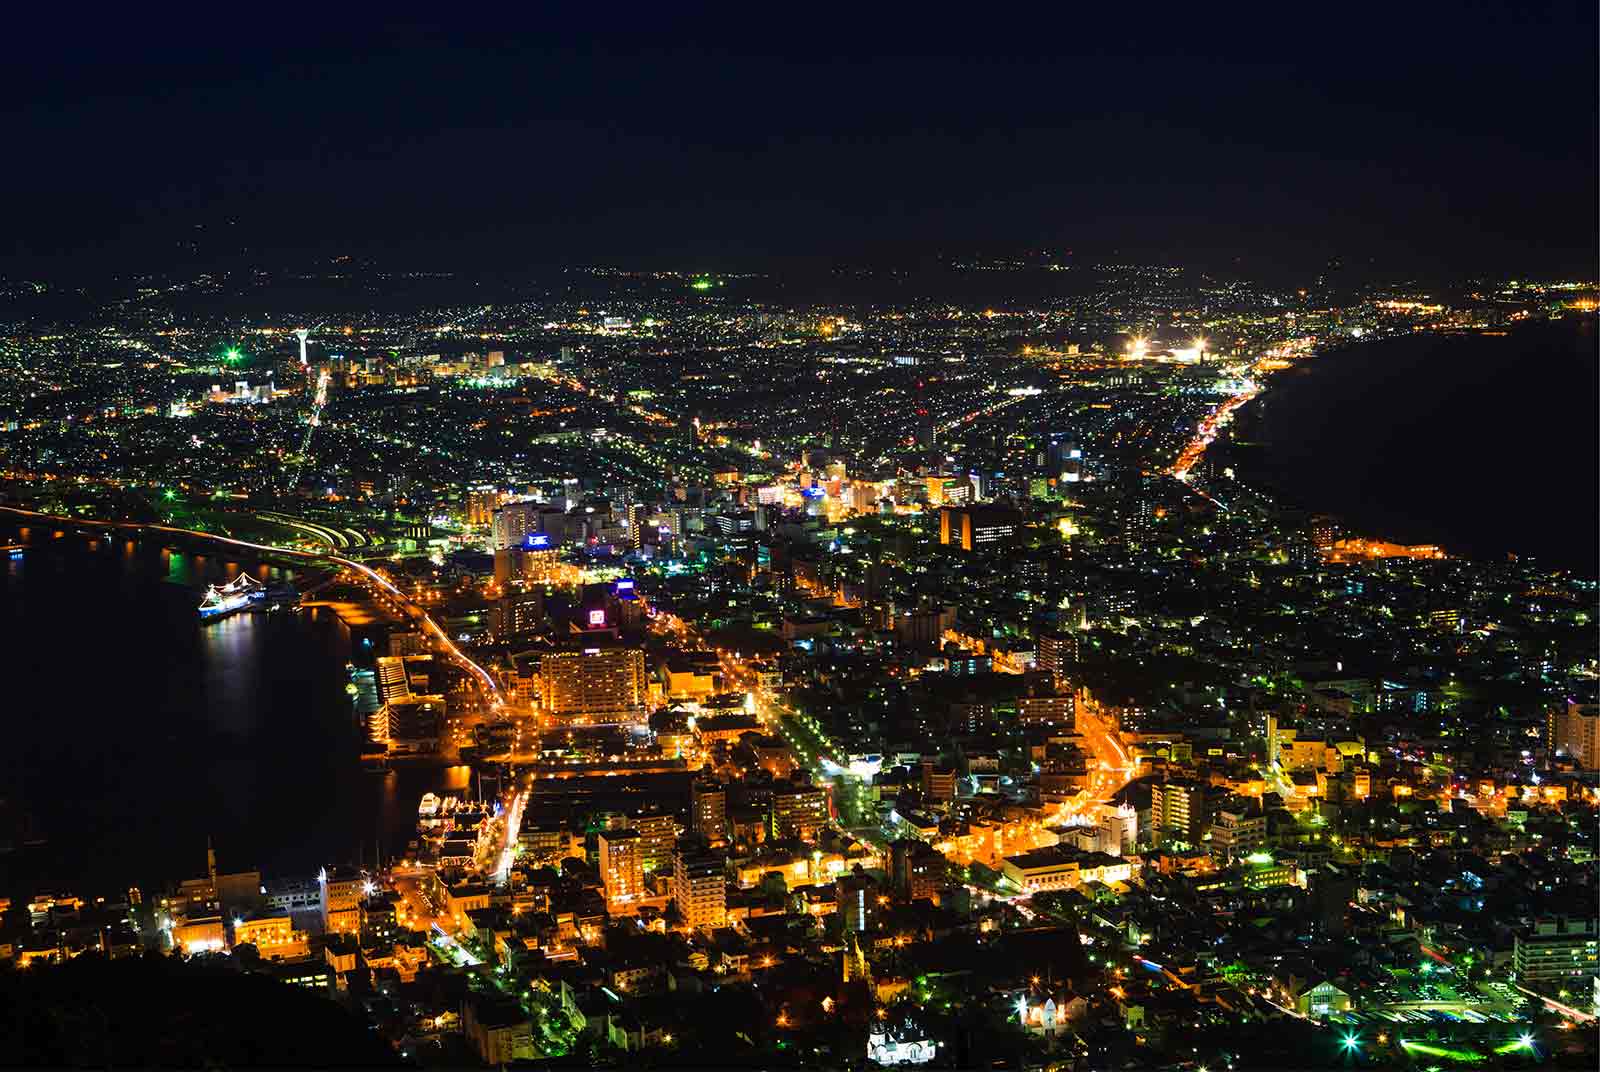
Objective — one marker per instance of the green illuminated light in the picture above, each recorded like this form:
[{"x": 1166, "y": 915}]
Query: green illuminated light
[
  {"x": 1522, "y": 1042},
  {"x": 1440, "y": 1051},
  {"x": 701, "y": 284}
]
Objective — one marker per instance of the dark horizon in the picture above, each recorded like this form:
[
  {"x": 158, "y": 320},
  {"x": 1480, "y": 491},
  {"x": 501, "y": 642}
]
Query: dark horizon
[{"x": 1444, "y": 143}]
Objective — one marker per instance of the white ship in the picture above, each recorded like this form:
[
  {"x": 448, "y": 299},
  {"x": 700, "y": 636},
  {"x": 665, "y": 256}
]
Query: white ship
[{"x": 237, "y": 594}]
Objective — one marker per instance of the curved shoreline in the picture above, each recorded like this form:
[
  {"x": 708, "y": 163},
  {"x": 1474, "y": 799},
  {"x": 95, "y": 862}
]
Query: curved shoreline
[
  {"x": 479, "y": 673},
  {"x": 1470, "y": 447}
]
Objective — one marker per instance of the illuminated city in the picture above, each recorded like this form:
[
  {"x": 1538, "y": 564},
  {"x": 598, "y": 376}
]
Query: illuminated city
[{"x": 1037, "y": 653}]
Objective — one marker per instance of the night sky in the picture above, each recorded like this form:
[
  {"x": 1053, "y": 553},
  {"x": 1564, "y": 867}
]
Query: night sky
[{"x": 1439, "y": 140}]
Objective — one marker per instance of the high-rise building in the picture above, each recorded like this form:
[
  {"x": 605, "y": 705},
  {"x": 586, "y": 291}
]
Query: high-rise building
[
  {"x": 738, "y": 529},
  {"x": 862, "y": 496},
  {"x": 916, "y": 869},
  {"x": 1573, "y": 731},
  {"x": 481, "y": 504},
  {"x": 1056, "y": 712},
  {"x": 1177, "y": 812},
  {"x": 976, "y": 528},
  {"x": 593, "y": 685},
  {"x": 797, "y": 811},
  {"x": 621, "y": 866},
  {"x": 1557, "y": 952},
  {"x": 404, "y": 640},
  {"x": 514, "y": 522},
  {"x": 1061, "y": 460},
  {"x": 708, "y": 810},
  {"x": 938, "y": 783},
  {"x": 340, "y": 892},
  {"x": 1057, "y": 652},
  {"x": 857, "y": 897},
  {"x": 636, "y": 513},
  {"x": 419, "y": 668},
  {"x": 519, "y": 615},
  {"x": 658, "y": 833},
  {"x": 1325, "y": 532},
  {"x": 528, "y": 564},
  {"x": 699, "y": 885},
  {"x": 380, "y": 923}
]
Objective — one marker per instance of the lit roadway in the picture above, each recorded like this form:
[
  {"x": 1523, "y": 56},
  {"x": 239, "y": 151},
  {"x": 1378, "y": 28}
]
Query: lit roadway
[
  {"x": 984, "y": 411},
  {"x": 1110, "y": 768},
  {"x": 384, "y": 584},
  {"x": 1110, "y": 765},
  {"x": 806, "y": 738},
  {"x": 507, "y": 850},
  {"x": 420, "y": 912},
  {"x": 1208, "y": 431}
]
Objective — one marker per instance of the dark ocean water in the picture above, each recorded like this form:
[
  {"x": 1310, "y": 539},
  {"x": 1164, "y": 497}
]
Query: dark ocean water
[
  {"x": 134, "y": 730},
  {"x": 1483, "y": 444}
]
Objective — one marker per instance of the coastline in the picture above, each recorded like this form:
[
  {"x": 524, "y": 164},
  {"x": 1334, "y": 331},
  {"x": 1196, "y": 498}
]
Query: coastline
[
  {"x": 1344, "y": 433},
  {"x": 248, "y": 734}
]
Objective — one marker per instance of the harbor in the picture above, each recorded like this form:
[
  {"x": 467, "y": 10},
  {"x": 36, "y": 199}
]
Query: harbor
[{"x": 247, "y": 737}]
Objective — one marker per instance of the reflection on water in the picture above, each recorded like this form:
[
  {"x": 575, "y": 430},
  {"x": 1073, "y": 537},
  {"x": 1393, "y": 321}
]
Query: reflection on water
[{"x": 139, "y": 730}]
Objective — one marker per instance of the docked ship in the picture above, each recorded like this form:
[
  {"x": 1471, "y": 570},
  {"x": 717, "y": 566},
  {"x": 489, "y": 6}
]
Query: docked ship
[{"x": 241, "y": 592}]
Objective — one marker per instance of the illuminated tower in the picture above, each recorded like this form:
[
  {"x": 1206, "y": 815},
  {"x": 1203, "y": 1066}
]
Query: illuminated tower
[
  {"x": 856, "y": 968},
  {"x": 302, "y": 334}
]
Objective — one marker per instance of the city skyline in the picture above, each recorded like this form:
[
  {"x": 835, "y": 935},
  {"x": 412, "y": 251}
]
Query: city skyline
[{"x": 802, "y": 539}]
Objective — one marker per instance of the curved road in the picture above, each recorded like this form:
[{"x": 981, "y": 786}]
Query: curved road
[{"x": 483, "y": 677}]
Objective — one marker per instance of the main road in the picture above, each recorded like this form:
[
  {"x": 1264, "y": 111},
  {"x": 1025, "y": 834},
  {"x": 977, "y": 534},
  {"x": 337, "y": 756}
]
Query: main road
[{"x": 1111, "y": 767}]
